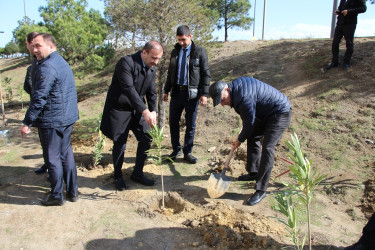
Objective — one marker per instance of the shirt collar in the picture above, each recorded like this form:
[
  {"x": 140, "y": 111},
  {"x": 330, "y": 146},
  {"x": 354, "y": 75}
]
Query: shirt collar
[
  {"x": 143, "y": 63},
  {"x": 188, "y": 48}
]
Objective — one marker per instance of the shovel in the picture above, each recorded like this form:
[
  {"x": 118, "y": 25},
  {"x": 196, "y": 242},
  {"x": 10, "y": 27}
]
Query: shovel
[{"x": 218, "y": 183}]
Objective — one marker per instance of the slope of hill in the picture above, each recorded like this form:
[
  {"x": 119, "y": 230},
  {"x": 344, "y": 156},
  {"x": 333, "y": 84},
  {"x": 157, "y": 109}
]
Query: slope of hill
[{"x": 333, "y": 114}]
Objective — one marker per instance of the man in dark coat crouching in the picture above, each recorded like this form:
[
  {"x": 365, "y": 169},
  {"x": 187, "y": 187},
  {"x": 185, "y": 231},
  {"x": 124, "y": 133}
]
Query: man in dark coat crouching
[
  {"x": 265, "y": 113},
  {"x": 125, "y": 109}
]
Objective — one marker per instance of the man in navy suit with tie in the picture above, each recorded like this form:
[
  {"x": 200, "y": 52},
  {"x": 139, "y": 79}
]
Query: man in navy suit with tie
[{"x": 188, "y": 79}]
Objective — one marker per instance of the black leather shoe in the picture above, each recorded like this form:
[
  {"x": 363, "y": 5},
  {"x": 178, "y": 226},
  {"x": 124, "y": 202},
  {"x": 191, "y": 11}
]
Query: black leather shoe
[
  {"x": 49, "y": 201},
  {"x": 346, "y": 66},
  {"x": 142, "y": 180},
  {"x": 332, "y": 65},
  {"x": 120, "y": 184},
  {"x": 248, "y": 177},
  {"x": 256, "y": 198},
  {"x": 357, "y": 246},
  {"x": 71, "y": 198},
  {"x": 42, "y": 170},
  {"x": 174, "y": 155},
  {"x": 190, "y": 158}
]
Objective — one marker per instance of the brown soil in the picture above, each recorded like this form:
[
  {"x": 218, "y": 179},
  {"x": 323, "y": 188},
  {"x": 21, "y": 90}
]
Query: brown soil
[{"x": 333, "y": 115}]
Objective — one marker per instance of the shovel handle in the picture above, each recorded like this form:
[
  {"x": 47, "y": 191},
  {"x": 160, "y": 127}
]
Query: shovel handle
[
  {"x": 228, "y": 160},
  {"x": 291, "y": 163}
]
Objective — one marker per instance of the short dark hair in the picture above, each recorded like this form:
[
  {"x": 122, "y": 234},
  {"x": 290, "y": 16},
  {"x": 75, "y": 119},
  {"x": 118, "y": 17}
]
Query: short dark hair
[
  {"x": 30, "y": 36},
  {"x": 47, "y": 38},
  {"x": 183, "y": 30},
  {"x": 152, "y": 45}
]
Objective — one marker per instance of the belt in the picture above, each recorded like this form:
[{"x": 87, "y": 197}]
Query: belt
[{"x": 182, "y": 87}]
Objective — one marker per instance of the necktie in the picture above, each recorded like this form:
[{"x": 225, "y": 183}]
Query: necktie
[{"x": 183, "y": 67}]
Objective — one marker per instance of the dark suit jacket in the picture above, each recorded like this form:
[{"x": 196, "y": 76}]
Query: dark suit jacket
[
  {"x": 28, "y": 85},
  {"x": 131, "y": 83},
  {"x": 354, "y": 8},
  {"x": 199, "y": 73}
]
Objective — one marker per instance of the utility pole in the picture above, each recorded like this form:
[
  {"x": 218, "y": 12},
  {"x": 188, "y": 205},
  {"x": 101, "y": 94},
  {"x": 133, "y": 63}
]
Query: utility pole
[
  {"x": 264, "y": 18},
  {"x": 255, "y": 5},
  {"x": 2, "y": 103},
  {"x": 24, "y": 8},
  {"x": 333, "y": 23}
]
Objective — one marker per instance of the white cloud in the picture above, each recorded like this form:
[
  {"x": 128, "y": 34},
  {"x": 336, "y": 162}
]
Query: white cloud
[{"x": 365, "y": 27}]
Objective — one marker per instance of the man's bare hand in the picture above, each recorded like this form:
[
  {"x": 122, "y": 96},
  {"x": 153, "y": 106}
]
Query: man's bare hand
[
  {"x": 25, "y": 130},
  {"x": 203, "y": 100},
  {"x": 344, "y": 12},
  {"x": 236, "y": 144},
  {"x": 150, "y": 117}
]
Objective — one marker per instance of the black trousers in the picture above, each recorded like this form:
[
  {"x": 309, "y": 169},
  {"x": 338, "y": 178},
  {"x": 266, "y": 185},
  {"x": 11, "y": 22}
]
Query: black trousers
[
  {"x": 260, "y": 158},
  {"x": 179, "y": 102},
  {"x": 119, "y": 146},
  {"x": 58, "y": 152},
  {"x": 346, "y": 31},
  {"x": 368, "y": 236}
]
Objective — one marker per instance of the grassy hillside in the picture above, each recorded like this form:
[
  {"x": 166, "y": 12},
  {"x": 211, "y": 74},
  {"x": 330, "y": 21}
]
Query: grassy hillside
[{"x": 333, "y": 114}]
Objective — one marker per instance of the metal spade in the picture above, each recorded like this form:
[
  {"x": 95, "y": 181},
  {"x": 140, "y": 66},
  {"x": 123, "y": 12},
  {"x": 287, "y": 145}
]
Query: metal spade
[{"x": 218, "y": 183}]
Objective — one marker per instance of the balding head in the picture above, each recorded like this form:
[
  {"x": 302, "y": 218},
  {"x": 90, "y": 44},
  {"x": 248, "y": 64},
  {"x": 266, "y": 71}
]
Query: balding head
[{"x": 151, "y": 53}]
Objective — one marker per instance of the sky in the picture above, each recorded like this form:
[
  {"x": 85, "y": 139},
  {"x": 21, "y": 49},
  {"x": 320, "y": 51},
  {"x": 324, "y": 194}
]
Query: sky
[{"x": 284, "y": 19}]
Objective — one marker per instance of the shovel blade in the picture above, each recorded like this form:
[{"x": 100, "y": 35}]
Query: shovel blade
[{"x": 218, "y": 184}]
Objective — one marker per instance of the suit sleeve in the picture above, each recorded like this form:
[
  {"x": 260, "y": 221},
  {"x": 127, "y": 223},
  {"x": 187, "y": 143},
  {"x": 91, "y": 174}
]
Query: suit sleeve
[
  {"x": 45, "y": 78},
  {"x": 360, "y": 9},
  {"x": 151, "y": 95},
  {"x": 168, "y": 84},
  {"x": 205, "y": 73},
  {"x": 27, "y": 85},
  {"x": 247, "y": 113},
  {"x": 126, "y": 82}
]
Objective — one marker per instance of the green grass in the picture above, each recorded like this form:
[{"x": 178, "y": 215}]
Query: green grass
[
  {"x": 108, "y": 220},
  {"x": 312, "y": 65},
  {"x": 10, "y": 156},
  {"x": 87, "y": 125},
  {"x": 316, "y": 124},
  {"x": 236, "y": 131},
  {"x": 333, "y": 91},
  {"x": 317, "y": 212}
]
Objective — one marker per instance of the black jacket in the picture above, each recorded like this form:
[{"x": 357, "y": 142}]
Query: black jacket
[
  {"x": 198, "y": 74},
  {"x": 354, "y": 8},
  {"x": 28, "y": 84},
  {"x": 126, "y": 96}
]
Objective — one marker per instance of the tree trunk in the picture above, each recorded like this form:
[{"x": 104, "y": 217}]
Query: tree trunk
[
  {"x": 133, "y": 40},
  {"x": 162, "y": 72},
  {"x": 226, "y": 33},
  {"x": 161, "y": 107},
  {"x": 226, "y": 23}
]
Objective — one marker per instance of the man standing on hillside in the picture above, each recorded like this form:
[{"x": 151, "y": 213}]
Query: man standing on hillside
[
  {"x": 189, "y": 79},
  {"x": 125, "y": 109},
  {"x": 345, "y": 27},
  {"x": 28, "y": 87},
  {"x": 53, "y": 110},
  {"x": 265, "y": 114}
]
